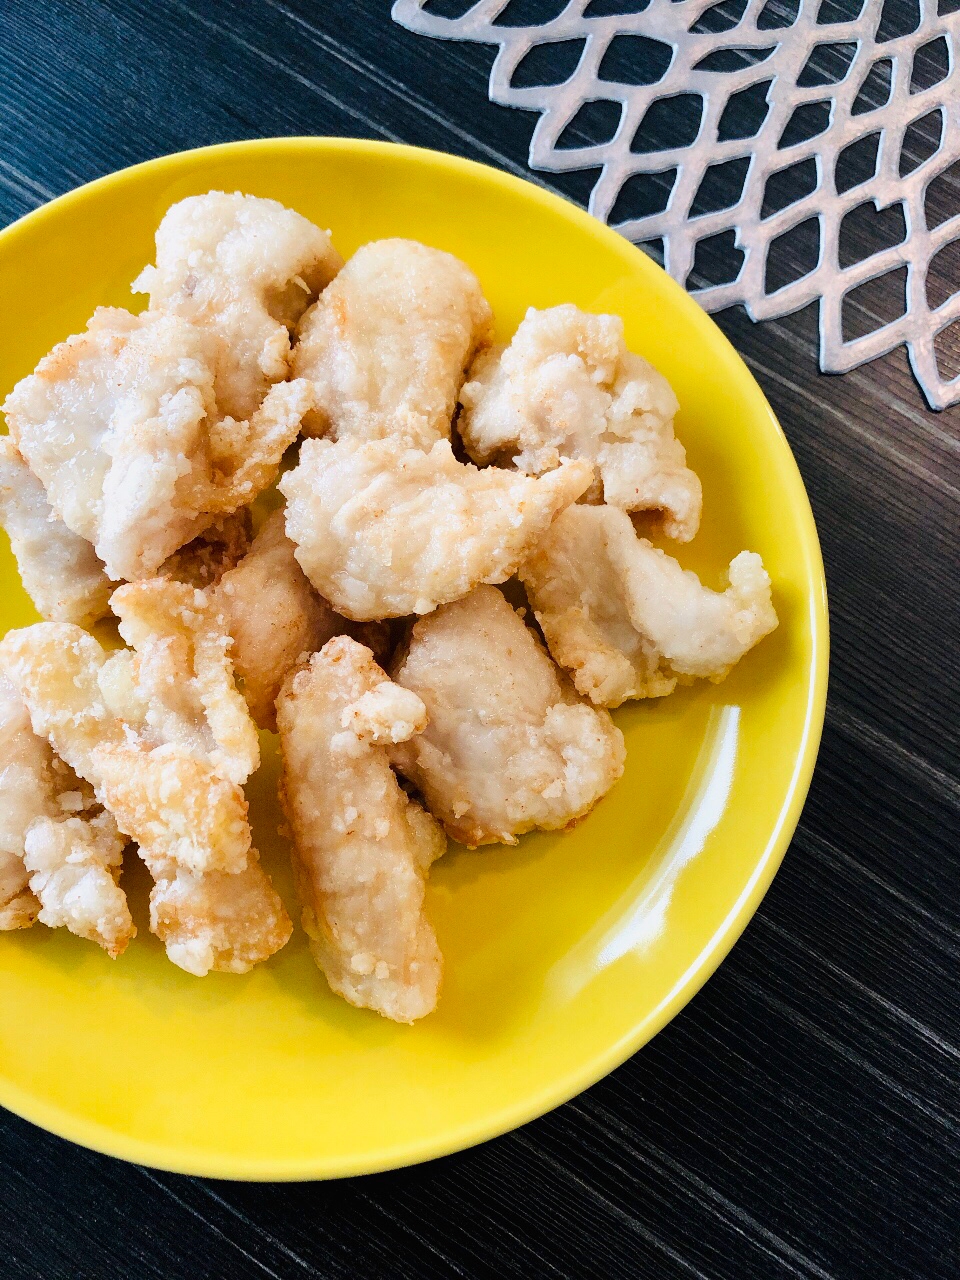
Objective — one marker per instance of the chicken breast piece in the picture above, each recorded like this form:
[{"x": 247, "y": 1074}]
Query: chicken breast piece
[
  {"x": 60, "y": 851},
  {"x": 383, "y": 530},
  {"x": 164, "y": 737},
  {"x": 121, "y": 426},
  {"x": 244, "y": 269},
  {"x": 508, "y": 745},
  {"x": 179, "y": 679},
  {"x": 74, "y": 865},
  {"x": 568, "y": 387},
  {"x": 362, "y": 848},
  {"x": 60, "y": 570},
  {"x": 626, "y": 620},
  {"x": 24, "y": 787},
  {"x": 274, "y": 617},
  {"x": 135, "y": 732},
  {"x": 388, "y": 343},
  {"x": 214, "y": 920}
]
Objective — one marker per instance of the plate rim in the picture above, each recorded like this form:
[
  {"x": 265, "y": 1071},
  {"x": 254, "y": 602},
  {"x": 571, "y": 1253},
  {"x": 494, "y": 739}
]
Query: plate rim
[{"x": 108, "y": 1141}]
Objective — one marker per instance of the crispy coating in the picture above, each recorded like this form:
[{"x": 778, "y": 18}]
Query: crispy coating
[
  {"x": 383, "y": 530},
  {"x": 388, "y": 343},
  {"x": 56, "y": 839},
  {"x": 244, "y": 269},
  {"x": 74, "y": 865},
  {"x": 25, "y": 783},
  {"x": 121, "y": 426},
  {"x": 59, "y": 569},
  {"x": 509, "y": 746},
  {"x": 218, "y": 921},
  {"x": 274, "y": 616},
  {"x": 165, "y": 739},
  {"x": 626, "y": 620},
  {"x": 220, "y": 548},
  {"x": 178, "y": 686},
  {"x": 362, "y": 848},
  {"x": 568, "y": 387},
  {"x": 173, "y": 803}
]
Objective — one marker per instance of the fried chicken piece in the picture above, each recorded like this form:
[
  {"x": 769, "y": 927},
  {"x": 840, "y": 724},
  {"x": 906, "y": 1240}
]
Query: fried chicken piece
[
  {"x": 143, "y": 749},
  {"x": 274, "y": 617},
  {"x": 55, "y": 839},
  {"x": 509, "y": 746},
  {"x": 177, "y": 686},
  {"x": 362, "y": 848},
  {"x": 244, "y": 269},
  {"x": 626, "y": 620},
  {"x": 220, "y": 548},
  {"x": 59, "y": 569},
  {"x": 383, "y": 530},
  {"x": 388, "y": 343},
  {"x": 74, "y": 865},
  {"x": 121, "y": 426},
  {"x": 165, "y": 739},
  {"x": 24, "y": 786},
  {"x": 225, "y": 922},
  {"x": 568, "y": 387}
]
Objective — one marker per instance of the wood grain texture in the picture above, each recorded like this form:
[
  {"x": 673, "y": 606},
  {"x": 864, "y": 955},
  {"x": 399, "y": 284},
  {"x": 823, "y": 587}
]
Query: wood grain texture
[{"x": 802, "y": 1116}]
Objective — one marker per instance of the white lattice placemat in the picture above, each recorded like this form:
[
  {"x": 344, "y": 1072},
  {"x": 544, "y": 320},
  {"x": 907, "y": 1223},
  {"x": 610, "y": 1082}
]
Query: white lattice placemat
[{"x": 807, "y": 57}]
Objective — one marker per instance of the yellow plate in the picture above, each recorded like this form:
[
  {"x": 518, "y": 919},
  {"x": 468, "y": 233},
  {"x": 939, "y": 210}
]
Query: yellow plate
[{"x": 563, "y": 956}]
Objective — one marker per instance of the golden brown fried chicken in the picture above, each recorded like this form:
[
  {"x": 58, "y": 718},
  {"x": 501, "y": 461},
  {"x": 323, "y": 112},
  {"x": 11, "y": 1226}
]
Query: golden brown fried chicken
[
  {"x": 508, "y": 746},
  {"x": 626, "y": 620},
  {"x": 362, "y": 848},
  {"x": 389, "y": 341},
  {"x": 274, "y": 617},
  {"x": 567, "y": 387},
  {"x": 383, "y": 530},
  {"x": 164, "y": 738},
  {"x": 244, "y": 269},
  {"x": 24, "y": 773},
  {"x": 59, "y": 569},
  {"x": 60, "y": 851},
  {"x": 121, "y": 426}
]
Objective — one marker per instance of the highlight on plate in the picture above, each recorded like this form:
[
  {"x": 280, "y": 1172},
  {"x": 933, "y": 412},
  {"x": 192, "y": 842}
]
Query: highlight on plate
[{"x": 362, "y": 620}]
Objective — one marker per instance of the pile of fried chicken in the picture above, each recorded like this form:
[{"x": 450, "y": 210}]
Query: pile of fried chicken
[{"x": 363, "y": 622}]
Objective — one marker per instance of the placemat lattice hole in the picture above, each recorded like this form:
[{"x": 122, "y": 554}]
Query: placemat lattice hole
[
  {"x": 857, "y": 163},
  {"x": 793, "y": 255},
  {"x": 946, "y": 345},
  {"x": 866, "y": 230},
  {"x": 873, "y": 304},
  {"x": 744, "y": 112},
  {"x": 876, "y": 89}
]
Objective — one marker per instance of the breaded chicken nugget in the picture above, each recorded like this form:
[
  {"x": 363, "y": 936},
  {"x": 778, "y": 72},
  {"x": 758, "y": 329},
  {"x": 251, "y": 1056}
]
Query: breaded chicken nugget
[
  {"x": 179, "y": 679},
  {"x": 55, "y": 838},
  {"x": 24, "y": 775},
  {"x": 508, "y": 746},
  {"x": 244, "y": 269},
  {"x": 383, "y": 530},
  {"x": 626, "y": 620},
  {"x": 121, "y": 426},
  {"x": 362, "y": 848},
  {"x": 568, "y": 387},
  {"x": 59, "y": 569},
  {"x": 172, "y": 800},
  {"x": 214, "y": 920},
  {"x": 273, "y": 616},
  {"x": 74, "y": 865},
  {"x": 165, "y": 739},
  {"x": 389, "y": 341}
]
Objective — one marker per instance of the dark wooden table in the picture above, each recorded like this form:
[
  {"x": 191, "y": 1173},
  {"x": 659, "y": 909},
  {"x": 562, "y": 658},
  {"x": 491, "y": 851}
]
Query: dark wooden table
[{"x": 801, "y": 1116}]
